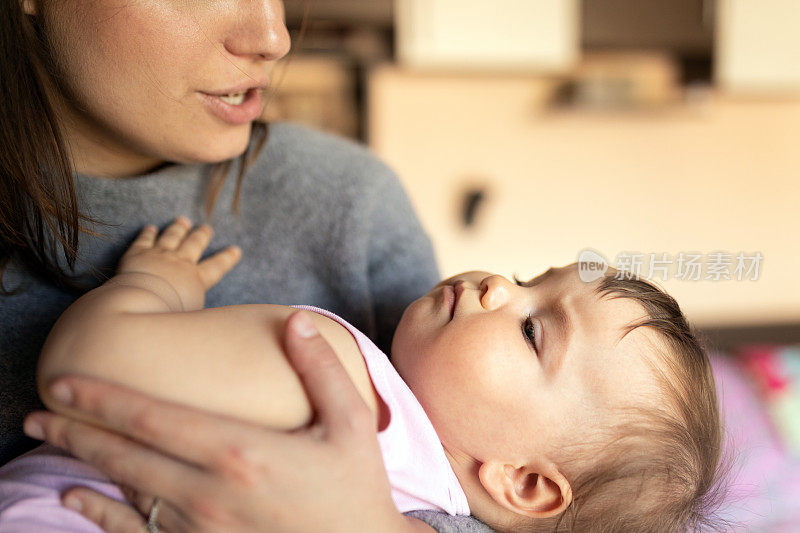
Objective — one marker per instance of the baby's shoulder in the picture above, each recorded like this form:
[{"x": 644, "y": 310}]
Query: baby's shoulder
[{"x": 347, "y": 349}]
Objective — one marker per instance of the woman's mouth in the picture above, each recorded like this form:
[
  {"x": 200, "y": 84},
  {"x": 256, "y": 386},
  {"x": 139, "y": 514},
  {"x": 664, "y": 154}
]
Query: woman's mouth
[
  {"x": 236, "y": 108},
  {"x": 233, "y": 99}
]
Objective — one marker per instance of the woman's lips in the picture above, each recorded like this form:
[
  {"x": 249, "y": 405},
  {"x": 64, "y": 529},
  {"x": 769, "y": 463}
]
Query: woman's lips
[{"x": 247, "y": 111}]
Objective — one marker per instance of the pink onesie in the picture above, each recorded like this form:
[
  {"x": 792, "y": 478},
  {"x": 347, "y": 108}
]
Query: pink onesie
[{"x": 419, "y": 472}]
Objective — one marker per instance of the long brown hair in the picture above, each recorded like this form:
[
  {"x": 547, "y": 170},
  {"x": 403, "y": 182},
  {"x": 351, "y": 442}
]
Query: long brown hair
[{"x": 38, "y": 203}]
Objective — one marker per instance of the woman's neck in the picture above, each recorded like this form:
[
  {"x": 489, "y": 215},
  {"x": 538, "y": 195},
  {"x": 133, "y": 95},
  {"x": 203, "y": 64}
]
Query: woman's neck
[
  {"x": 104, "y": 158},
  {"x": 94, "y": 163}
]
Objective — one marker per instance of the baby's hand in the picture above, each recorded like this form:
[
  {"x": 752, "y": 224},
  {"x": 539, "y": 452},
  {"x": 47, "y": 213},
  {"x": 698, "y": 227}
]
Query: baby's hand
[{"x": 174, "y": 255}]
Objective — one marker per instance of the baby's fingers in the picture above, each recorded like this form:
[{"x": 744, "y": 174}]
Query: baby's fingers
[
  {"x": 192, "y": 247},
  {"x": 219, "y": 264},
  {"x": 146, "y": 237},
  {"x": 174, "y": 234}
]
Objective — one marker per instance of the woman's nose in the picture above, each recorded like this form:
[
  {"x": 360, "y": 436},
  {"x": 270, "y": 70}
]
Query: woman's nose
[
  {"x": 259, "y": 30},
  {"x": 494, "y": 292}
]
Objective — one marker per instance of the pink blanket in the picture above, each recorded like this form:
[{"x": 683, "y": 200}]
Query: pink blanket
[{"x": 765, "y": 491}]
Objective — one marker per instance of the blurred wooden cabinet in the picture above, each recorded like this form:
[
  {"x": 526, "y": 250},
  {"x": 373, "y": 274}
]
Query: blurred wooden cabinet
[
  {"x": 500, "y": 35},
  {"x": 758, "y": 45},
  {"x": 504, "y": 183},
  {"x": 316, "y": 90}
]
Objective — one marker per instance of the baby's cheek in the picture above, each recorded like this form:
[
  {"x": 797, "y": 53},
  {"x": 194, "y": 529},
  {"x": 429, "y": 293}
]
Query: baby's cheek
[{"x": 471, "y": 387}]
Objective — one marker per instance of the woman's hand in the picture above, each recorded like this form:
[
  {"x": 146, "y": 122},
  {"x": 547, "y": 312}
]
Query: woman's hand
[{"x": 218, "y": 474}]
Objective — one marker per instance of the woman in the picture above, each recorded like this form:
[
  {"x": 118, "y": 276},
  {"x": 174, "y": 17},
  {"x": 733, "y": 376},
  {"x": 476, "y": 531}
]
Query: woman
[{"x": 114, "y": 115}]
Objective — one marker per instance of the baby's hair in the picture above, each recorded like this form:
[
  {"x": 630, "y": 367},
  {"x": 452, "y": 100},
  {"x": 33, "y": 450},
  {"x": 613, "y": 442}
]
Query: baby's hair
[{"x": 651, "y": 470}]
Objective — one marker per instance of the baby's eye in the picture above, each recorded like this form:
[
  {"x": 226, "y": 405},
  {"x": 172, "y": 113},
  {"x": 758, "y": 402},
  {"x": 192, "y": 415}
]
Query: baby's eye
[{"x": 529, "y": 330}]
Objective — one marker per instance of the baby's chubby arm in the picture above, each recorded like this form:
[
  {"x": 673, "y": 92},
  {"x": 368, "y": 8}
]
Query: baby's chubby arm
[{"x": 146, "y": 328}]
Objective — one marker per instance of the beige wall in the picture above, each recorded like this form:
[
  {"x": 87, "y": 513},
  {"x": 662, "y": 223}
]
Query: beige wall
[{"x": 717, "y": 177}]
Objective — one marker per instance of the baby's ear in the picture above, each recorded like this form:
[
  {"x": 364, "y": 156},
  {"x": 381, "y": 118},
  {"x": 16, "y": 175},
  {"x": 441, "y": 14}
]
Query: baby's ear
[{"x": 526, "y": 490}]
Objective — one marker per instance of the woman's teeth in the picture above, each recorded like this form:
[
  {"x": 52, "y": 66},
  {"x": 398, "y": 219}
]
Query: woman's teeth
[{"x": 233, "y": 99}]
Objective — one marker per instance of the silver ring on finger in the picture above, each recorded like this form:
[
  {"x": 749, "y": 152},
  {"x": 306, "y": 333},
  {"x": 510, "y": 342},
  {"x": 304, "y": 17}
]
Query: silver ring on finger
[{"x": 152, "y": 519}]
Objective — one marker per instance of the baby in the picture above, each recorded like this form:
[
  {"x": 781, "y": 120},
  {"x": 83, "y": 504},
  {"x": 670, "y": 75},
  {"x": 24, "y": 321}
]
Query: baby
[{"x": 544, "y": 405}]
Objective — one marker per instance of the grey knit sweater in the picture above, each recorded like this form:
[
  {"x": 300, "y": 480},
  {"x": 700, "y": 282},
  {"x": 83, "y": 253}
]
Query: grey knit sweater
[{"x": 323, "y": 222}]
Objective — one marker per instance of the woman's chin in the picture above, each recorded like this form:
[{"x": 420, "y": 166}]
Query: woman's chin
[{"x": 219, "y": 148}]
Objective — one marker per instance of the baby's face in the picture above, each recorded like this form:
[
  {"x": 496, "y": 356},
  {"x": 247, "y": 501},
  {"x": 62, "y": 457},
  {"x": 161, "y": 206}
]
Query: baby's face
[{"x": 505, "y": 371}]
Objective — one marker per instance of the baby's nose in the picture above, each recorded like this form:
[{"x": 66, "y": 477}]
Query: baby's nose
[{"x": 494, "y": 291}]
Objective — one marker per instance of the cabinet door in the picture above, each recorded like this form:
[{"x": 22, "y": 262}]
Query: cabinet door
[
  {"x": 502, "y": 34},
  {"x": 758, "y": 45},
  {"x": 543, "y": 185}
]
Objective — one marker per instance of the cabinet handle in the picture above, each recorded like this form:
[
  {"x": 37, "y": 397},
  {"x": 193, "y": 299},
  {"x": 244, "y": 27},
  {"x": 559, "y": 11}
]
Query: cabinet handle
[{"x": 470, "y": 205}]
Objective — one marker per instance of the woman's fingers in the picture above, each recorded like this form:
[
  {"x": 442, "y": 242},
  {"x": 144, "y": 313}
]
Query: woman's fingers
[
  {"x": 174, "y": 234},
  {"x": 124, "y": 461},
  {"x": 219, "y": 264},
  {"x": 117, "y": 517},
  {"x": 139, "y": 500},
  {"x": 334, "y": 397},
  {"x": 192, "y": 435},
  {"x": 112, "y": 516}
]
